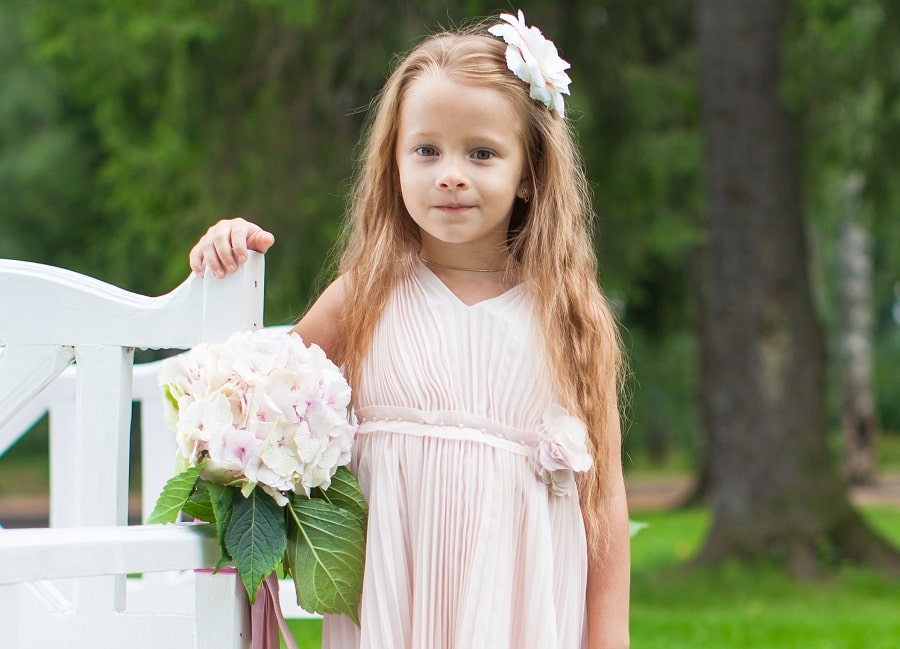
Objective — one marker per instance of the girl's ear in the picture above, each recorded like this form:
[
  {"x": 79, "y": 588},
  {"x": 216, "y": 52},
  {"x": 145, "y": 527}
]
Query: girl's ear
[{"x": 524, "y": 191}]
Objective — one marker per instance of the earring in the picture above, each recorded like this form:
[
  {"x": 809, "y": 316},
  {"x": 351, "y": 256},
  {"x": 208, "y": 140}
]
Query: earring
[{"x": 525, "y": 195}]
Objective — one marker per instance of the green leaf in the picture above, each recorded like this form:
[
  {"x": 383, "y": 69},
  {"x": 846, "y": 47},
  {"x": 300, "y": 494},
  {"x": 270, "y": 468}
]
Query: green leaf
[
  {"x": 199, "y": 504},
  {"x": 174, "y": 494},
  {"x": 325, "y": 555},
  {"x": 345, "y": 493},
  {"x": 255, "y": 538},
  {"x": 634, "y": 527},
  {"x": 222, "y": 501},
  {"x": 169, "y": 397}
]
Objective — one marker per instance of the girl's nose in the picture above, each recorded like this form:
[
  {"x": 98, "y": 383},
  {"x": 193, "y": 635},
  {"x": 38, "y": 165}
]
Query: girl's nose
[{"x": 452, "y": 177}]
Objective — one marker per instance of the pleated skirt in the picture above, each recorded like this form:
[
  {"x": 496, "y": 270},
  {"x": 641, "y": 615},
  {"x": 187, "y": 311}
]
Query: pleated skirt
[{"x": 466, "y": 546}]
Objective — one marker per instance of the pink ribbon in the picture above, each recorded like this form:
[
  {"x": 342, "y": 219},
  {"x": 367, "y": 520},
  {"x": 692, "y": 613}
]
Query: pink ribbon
[{"x": 266, "y": 618}]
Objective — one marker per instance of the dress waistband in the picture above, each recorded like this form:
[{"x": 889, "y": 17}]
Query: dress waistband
[{"x": 448, "y": 424}]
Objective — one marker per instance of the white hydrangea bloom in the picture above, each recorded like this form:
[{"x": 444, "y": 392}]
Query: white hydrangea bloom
[{"x": 263, "y": 409}]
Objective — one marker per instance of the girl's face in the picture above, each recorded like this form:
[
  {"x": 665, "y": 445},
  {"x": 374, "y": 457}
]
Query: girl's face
[{"x": 461, "y": 161}]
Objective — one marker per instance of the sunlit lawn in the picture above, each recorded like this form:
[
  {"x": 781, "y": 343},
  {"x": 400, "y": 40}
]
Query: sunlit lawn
[
  {"x": 745, "y": 608},
  {"x": 307, "y": 633},
  {"x": 754, "y": 607}
]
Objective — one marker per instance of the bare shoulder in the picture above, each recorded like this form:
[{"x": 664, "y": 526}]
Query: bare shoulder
[{"x": 323, "y": 323}]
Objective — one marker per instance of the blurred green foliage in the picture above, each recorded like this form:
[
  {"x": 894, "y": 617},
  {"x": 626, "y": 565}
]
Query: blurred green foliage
[
  {"x": 843, "y": 82},
  {"x": 126, "y": 128}
]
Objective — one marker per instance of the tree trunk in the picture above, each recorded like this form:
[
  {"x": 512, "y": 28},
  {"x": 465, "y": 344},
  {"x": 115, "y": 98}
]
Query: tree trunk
[
  {"x": 859, "y": 421},
  {"x": 774, "y": 492}
]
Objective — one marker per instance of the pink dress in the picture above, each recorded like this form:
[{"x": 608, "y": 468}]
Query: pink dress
[{"x": 467, "y": 548}]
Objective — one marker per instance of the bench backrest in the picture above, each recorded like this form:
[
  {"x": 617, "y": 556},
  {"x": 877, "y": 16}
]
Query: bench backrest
[{"x": 66, "y": 586}]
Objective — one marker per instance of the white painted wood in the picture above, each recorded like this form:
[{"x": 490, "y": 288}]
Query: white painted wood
[
  {"x": 28, "y": 414},
  {"x": 63, "y": 447},
  {"x": 98, "y": 494},
  {"x": 35, "y": 554},
  {"x": 197, "y": 311},
  {"x": 25, "y": 371},
  {"x": 231, "y": 630},
  {"x": 103, "y": 422},
  {"x": 224, "y": 627},
  {"x": 66, "y": 586},
  {"x": 169, "y": 593}
]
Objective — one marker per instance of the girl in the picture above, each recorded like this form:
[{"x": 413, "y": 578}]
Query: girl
[{"x": 484, "y": 359}]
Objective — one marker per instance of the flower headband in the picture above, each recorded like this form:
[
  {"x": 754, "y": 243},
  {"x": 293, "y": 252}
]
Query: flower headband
[{"x": 534, "y": 59}]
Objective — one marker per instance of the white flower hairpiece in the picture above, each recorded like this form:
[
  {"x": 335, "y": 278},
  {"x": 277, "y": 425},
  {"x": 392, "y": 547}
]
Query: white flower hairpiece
[{"x": 534, "y": 59}]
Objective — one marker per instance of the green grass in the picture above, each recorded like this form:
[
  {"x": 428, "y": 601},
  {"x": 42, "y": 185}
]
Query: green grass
[
  {"x": 307, "y": 633},
  {"x": 754, "y": 607},
  {"x": 741, "y": 607}
]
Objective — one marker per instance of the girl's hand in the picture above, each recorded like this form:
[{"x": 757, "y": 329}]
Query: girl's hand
[{"x": 224, "y": 246}]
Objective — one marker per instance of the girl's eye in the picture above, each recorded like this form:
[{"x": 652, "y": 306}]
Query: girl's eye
[
  {"x": 483, "y": 154},
  {"x": 426, "y": 150}
]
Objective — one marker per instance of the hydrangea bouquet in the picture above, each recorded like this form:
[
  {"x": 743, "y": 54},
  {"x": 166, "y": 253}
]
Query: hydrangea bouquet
[{"x": 264, "y": 430}]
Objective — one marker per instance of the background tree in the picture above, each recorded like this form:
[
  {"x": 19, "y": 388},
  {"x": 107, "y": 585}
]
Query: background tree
[
  {"x": 832, "y": 83},
  {"x": 843, "y": 76},
  {"x": 774, "y": 490}
]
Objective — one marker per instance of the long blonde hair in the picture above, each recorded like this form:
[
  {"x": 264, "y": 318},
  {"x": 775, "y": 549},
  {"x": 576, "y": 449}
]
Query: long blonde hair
[{"x": 550, "y": 237}]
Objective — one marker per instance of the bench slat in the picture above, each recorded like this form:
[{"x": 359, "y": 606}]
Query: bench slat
[{"x": 61, "y": 553}]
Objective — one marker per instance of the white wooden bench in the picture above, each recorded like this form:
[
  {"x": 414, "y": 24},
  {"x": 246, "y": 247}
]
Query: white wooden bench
[{"x": 66, "y": 586}]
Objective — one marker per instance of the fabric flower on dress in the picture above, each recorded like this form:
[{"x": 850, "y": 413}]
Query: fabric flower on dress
[
  {"x": 534, "y": 59},
  {"x": 562, "y": 451}
]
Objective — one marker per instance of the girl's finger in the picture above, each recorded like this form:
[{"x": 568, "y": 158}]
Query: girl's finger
[
  {"x": 219, "y": 259},
  {"x": 239, "y": 235},
  {"x": 260, "y": 240},
  {"x": 195, "y": 258}
]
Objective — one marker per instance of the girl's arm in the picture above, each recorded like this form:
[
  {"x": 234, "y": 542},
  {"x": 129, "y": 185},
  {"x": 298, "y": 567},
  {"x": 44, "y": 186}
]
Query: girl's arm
[
  {"x": 322, "y": 323},
  {"x": 609, "y": 576},
  {"x": 224, "y": 247}
]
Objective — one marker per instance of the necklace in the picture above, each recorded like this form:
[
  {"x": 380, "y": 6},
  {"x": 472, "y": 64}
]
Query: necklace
[{"x": 467, "y": 270}]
